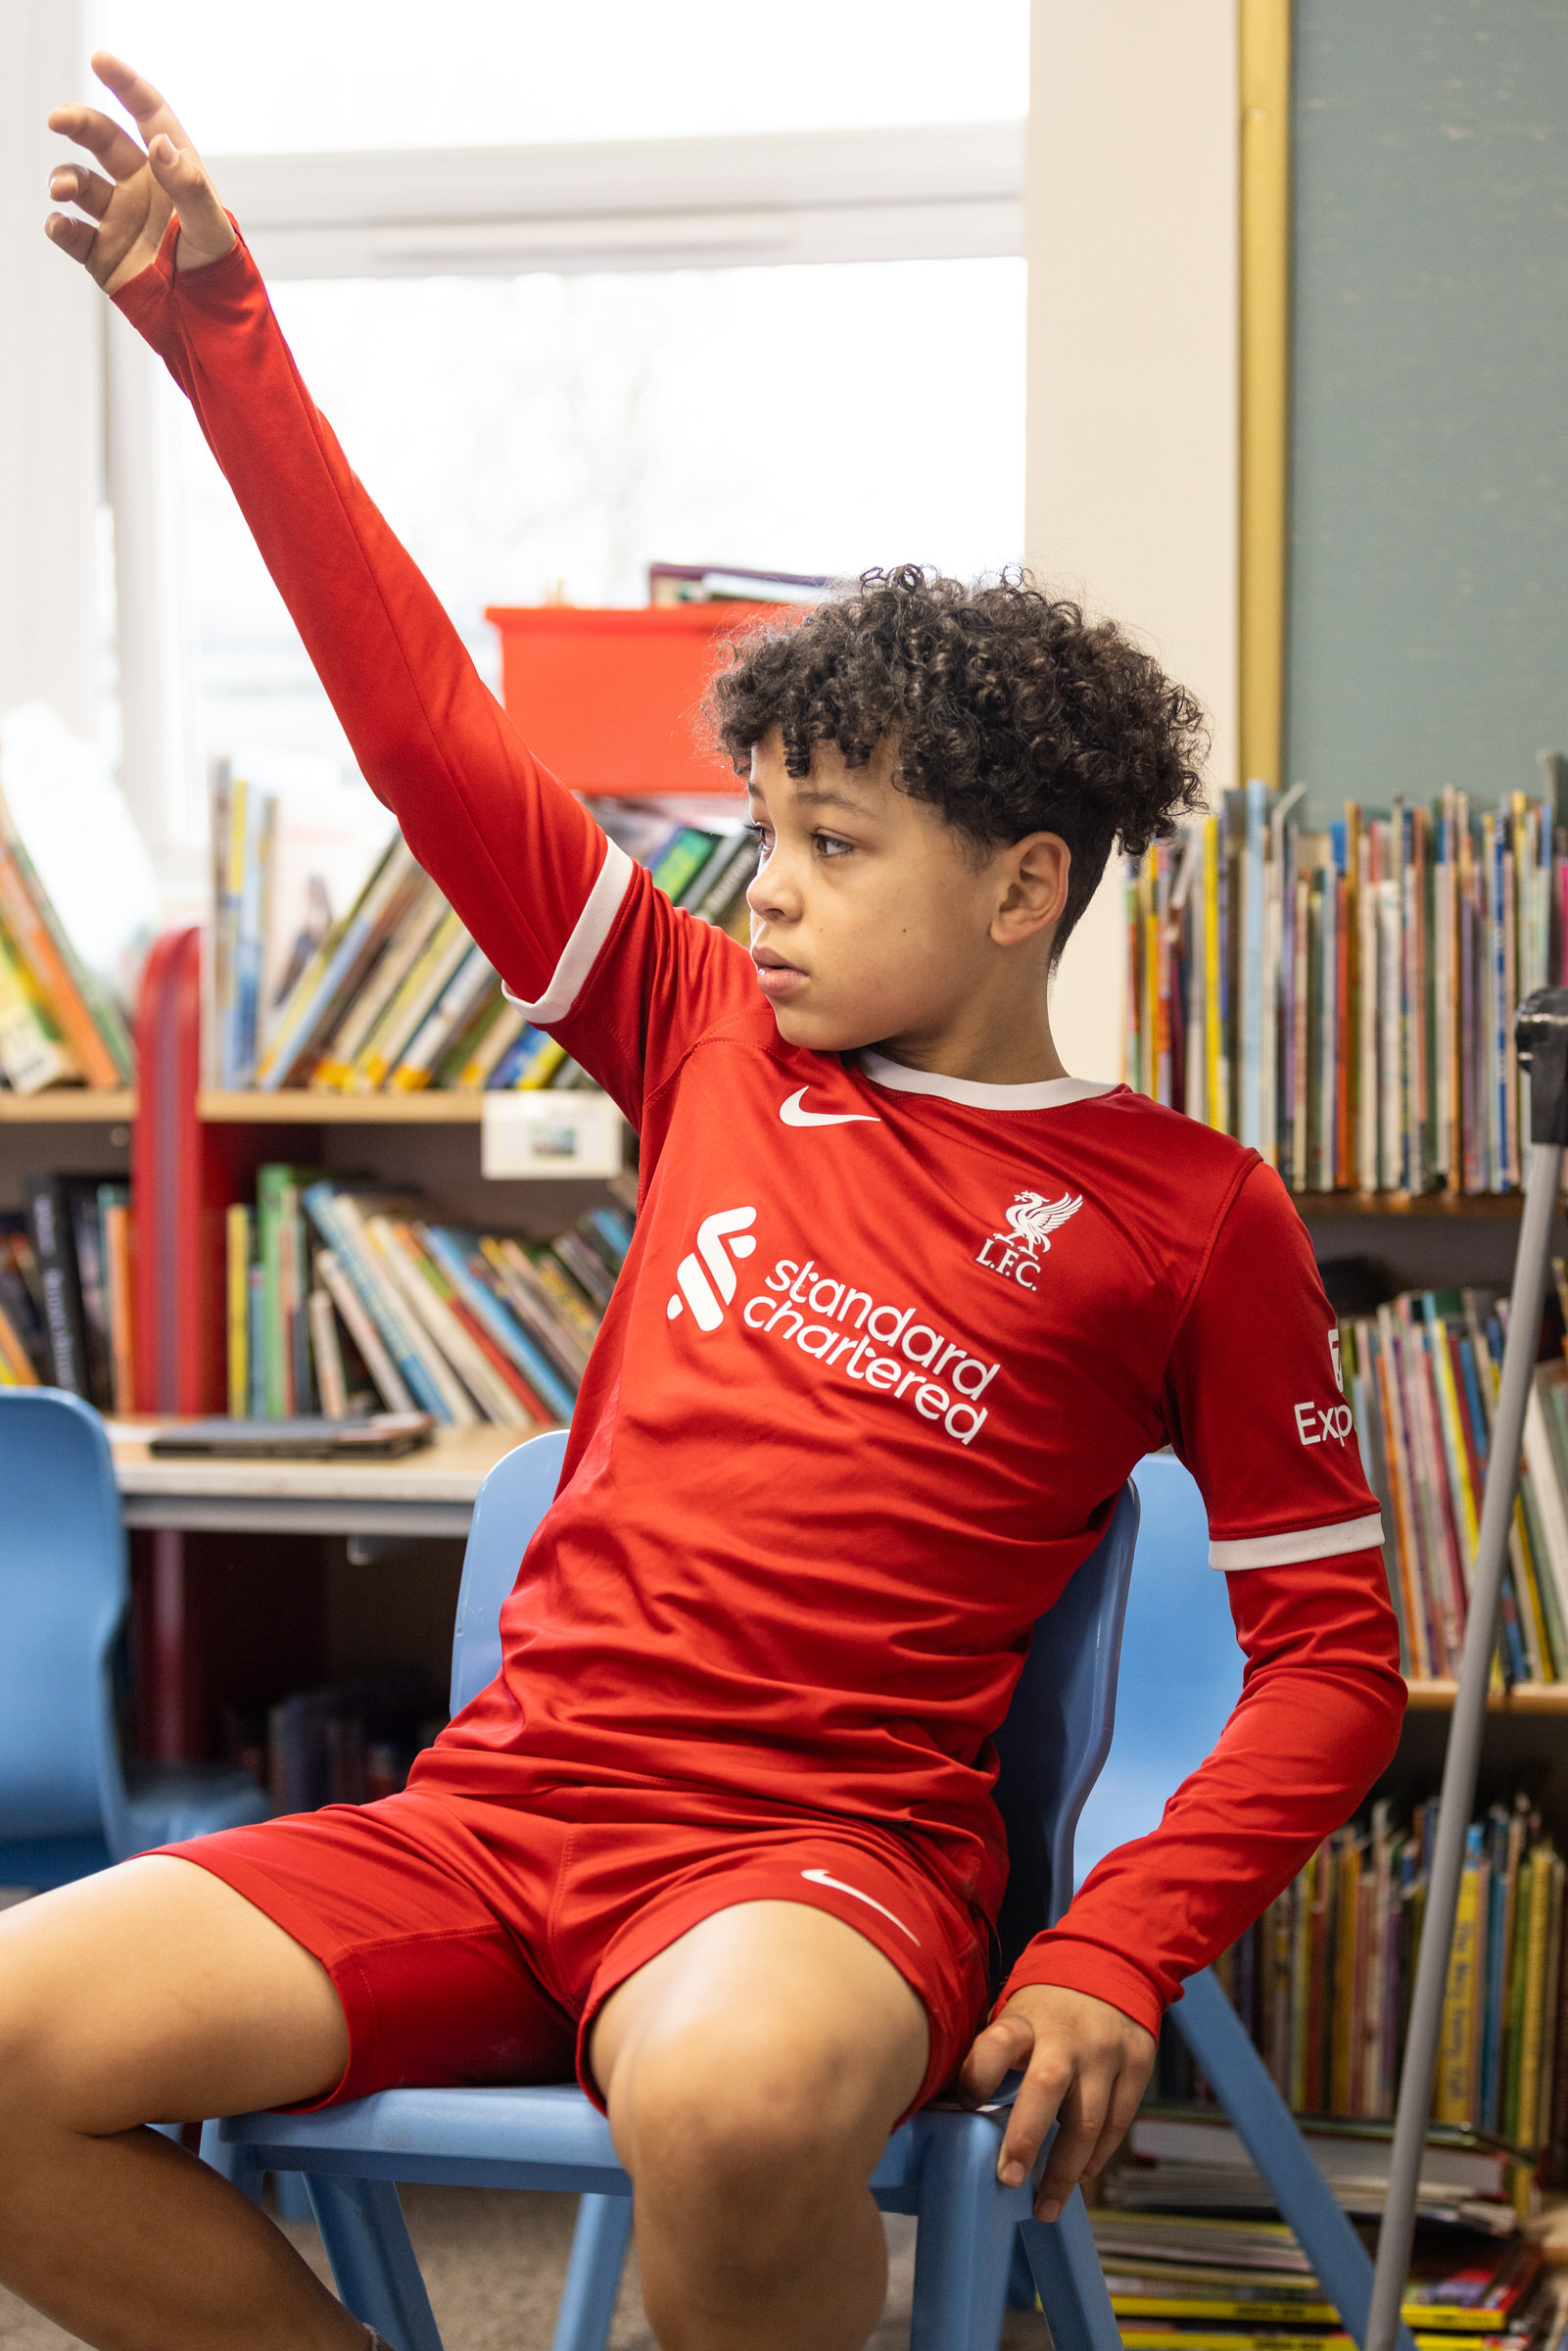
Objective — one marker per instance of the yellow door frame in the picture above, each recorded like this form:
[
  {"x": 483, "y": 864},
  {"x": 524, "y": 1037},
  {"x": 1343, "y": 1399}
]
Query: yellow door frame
[{"x": 1264, "y": 388}]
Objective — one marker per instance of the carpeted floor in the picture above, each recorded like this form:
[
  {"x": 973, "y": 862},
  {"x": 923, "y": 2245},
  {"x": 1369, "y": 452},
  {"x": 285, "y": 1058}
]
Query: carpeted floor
[{"x": 493, "y": 2264}]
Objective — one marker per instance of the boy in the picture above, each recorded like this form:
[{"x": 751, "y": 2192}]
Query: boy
[{"x": 905, "y": 1304}]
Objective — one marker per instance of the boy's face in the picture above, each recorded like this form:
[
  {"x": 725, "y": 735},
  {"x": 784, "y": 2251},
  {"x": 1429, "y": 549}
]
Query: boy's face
[{"x": 873, "y": 921}]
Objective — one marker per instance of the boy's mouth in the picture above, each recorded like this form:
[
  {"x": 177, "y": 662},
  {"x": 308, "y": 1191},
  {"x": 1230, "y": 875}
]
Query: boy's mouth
[{"x": 776, "y": 978}]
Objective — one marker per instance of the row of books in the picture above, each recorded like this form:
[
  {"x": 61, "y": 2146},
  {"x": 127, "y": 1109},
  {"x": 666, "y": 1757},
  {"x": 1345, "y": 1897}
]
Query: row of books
[
  {"x": 1190, "y": 2158},
  {"x": 340, "y": 1743},
  {"x": 396, "y": 997},
  {"x": 1322, "y": 1981},
  {"x": 66, "y": 1290},
  {"x": 1421, "y": 1377},
  {"x": 1197, "y": 2257},
  {"x": 1343, "y": 998},
  {"x": 342, "y": 1300},
  {"x": 1191, "y": 2280},
  {"x": 60, "y": 1024}
]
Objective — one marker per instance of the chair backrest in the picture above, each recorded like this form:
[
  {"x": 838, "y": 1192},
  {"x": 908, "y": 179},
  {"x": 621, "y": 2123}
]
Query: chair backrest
[
  {"x": 1059, "y": 1731},
  {"x": 509, "y": 1506},
  {"x": 64, "y": 1587},
  {"x": 1180, "y": 1666}
]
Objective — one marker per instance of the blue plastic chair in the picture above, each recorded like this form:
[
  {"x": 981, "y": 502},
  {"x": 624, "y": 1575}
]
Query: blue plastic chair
[
  {"x": 1180, "y": 1676},
  {"x": 941, "y": 2165},
  {"x": 67, "y": 1806}
]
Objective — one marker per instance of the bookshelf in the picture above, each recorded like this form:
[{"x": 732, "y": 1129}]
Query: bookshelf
[
  {"x": 110, "y": 1107},
  {"x": 1485, "y": 1206},
  {"x": 1527, "y": 1698},
  {"x": 298, "y": 1108}
]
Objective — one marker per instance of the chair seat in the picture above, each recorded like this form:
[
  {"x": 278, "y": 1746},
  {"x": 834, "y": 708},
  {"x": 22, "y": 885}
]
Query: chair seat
[
  {"x": 165, "y": 1803},
  {"x": 537, "y": 2138}
]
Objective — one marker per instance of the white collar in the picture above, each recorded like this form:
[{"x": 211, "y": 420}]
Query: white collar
[{"x": 1052, "y": 1093}]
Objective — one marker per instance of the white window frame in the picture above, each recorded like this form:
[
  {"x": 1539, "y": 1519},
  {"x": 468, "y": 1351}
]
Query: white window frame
[{"x": 943, "y": 192}]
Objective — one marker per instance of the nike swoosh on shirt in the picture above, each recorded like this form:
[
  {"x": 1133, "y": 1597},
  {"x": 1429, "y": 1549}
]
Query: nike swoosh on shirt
[
  {"x": 820, "y": 1877},
  {"x": 794, "y": 1114}
]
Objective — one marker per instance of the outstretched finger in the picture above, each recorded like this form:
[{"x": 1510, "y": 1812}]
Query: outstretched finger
[
  {"x": 102, "y": 136},
  {"x": 201, "y": 218},
  {"x": 74, "y": 183},
  {"x": 147, "y": 108},
  {"x": 75, "y": 237}
]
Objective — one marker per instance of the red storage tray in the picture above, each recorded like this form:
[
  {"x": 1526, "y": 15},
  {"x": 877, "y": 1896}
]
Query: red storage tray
[{"x": 608, "y": 697}]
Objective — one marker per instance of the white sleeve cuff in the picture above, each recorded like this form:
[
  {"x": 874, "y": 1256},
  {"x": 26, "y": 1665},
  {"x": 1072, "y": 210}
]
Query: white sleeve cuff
[
  {"x": 581, "y": 951},
  {"x": 1309, "y": 1543}
]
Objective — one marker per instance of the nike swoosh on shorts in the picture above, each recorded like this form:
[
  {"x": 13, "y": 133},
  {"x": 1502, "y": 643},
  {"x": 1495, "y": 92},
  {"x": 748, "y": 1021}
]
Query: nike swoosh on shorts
[
  {"x": 794, "y": 1114},
  {"x": 820, "y": 1877}
]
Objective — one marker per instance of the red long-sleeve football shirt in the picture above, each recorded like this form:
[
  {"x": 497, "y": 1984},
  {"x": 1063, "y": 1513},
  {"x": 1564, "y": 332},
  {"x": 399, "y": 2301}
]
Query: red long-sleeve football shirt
[{"x": 886, "y": 1344}]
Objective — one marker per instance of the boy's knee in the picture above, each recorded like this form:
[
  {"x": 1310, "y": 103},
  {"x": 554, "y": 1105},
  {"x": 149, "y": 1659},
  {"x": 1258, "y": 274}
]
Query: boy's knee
[{"x": 733, "y": 2118}]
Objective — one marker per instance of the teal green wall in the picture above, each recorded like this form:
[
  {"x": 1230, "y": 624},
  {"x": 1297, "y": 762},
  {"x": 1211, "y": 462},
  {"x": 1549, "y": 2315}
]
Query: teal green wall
[{"x": 1428, "y": 616}]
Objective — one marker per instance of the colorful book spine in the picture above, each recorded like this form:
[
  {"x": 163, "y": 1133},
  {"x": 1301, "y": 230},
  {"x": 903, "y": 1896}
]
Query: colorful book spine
[
  {"x": 395, "y": 1393},
  {"x": 34, "y": 1054},
  {"x": 381, "y": 1305},
  {"x": 238, "y": 1229},
  {"x": 40, "y": 954},
  {"x": 453, "y": 1258}
]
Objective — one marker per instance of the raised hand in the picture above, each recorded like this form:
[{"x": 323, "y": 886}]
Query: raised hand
[{"x": 130, "y": 209}]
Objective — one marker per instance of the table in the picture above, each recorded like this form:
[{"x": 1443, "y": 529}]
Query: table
[{"x": 427, "y": 1493}]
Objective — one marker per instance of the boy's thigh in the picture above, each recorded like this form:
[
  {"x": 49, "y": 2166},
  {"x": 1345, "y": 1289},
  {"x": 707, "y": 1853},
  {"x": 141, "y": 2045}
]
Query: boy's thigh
[
  {"x": 773, "y": 2023},
  {"x": 155, "y": 1993}
]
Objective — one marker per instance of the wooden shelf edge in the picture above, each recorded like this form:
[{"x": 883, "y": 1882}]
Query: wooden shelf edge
[
  {"x": 296, "y": 1108},
  {"x": 105, "y": 1107},
  {"x": 1526, "y": 1698},
  {"x": 1407, "y": 1204}
]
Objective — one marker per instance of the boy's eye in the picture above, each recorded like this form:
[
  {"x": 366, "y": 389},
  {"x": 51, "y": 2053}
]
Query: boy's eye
[
  {"x": 832, "y": 844},
  {"x": 759, "y": 834}
]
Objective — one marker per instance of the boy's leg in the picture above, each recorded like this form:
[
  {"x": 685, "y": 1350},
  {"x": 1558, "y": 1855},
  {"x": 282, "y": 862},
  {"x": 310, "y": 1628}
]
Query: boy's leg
[
  {"x": 155, "y": 1993},
  {"x": 752, "y": 2074}
]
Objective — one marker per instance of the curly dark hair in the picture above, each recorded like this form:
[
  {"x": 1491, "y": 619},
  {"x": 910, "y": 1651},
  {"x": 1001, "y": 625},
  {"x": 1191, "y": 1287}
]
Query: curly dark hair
[{"x": 1011, "y": 712}]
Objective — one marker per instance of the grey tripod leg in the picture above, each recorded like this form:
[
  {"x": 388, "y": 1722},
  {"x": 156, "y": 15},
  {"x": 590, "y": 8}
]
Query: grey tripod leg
[{"x": 1543, "y": 1037}]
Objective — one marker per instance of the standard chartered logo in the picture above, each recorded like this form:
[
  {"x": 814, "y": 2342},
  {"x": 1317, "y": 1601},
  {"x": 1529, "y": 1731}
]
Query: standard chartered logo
[
  {"x": 706, "y": 1279},
  {"x": 848, "y": 1336}
]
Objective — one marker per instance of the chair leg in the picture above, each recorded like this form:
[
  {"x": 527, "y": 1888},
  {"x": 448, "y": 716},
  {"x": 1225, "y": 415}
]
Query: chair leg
[
  {"x": 964, "y": 2237},
  {"x": 366, "y": 2240},
  {"x": 293, "y": 2197},
  {"x": 232, "y": 2160},
  {"x": 1267, "y": 2129},
  {"x": 594, "y": 2273},
  {"x": 1070, "y": 2281}
]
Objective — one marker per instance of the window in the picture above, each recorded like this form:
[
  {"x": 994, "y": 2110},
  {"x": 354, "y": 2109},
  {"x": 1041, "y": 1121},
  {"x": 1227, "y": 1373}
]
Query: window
[
  {"x": 555, "y": 434},
  {"x": 537, "y": 434}
]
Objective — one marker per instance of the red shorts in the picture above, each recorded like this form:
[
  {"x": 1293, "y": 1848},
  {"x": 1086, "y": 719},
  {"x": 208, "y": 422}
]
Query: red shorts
[{"x": 472, "y": 1940}]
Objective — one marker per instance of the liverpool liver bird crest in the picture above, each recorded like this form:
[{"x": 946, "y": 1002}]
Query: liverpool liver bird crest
[{"x": 1032, "y": 1219}]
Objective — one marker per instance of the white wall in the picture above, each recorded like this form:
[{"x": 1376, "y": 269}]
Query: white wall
[
  {"x": 51, "y": 381},
  {"x": 1131, "y": 232}
]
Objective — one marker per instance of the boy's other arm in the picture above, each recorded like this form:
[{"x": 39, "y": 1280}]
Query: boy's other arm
[
  {"x": 1317, "y": 1721},
  {"x": 517, "y": 856},
  {"x": 1318, "y": 1718}
]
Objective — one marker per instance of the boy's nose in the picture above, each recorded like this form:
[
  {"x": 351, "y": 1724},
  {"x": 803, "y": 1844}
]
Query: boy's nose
[{"x": 773, "y": 895}]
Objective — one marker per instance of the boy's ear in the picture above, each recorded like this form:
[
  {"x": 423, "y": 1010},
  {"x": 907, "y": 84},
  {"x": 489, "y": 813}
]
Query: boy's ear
[{"x": 1033, "y": 878}]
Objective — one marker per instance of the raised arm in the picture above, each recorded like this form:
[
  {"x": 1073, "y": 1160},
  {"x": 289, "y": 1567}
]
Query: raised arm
[{"x": 533, "y": 876}]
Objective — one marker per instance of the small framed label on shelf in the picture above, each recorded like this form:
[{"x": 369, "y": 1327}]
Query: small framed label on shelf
[{"x": 549, "y": 1133}]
